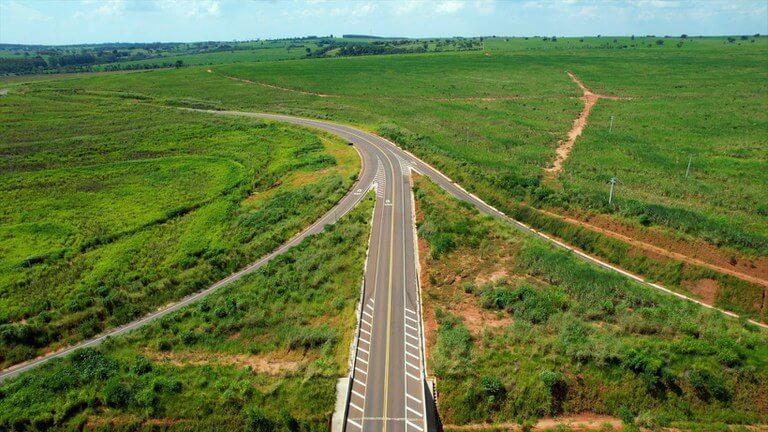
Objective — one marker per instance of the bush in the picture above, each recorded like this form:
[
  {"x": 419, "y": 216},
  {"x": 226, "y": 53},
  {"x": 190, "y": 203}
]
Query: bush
[
  {"x": 493, "y": 387},
  {"x": 115, "y": 394},
  {"x": 257, "y": 421},
  {"x": 550, "y": 379},
  {"x": 707, "y": 385},
  {"x": 141, "y": 365}
]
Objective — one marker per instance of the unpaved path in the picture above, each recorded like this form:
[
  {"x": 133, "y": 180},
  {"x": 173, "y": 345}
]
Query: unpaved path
[
  {"x": 579, "y": 422},
  {"x": 658, "y": 250},
  {"x": 564, "y": 148}
]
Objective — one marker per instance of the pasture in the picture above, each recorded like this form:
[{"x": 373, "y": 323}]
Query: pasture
[
  {"x": 115, "y": 207},
  {"x": 492, "y": 121}
]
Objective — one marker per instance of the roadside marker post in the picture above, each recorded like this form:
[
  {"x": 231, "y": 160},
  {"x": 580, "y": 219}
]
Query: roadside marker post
[
  {"x": 610, "y": 195},
  {"x": 688, "y": 169},
  {"x": 610, "y": 127}
]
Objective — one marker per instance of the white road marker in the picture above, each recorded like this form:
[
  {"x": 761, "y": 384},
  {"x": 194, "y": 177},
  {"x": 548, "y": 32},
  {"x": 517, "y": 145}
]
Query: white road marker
[
  {"x": 413, "y": 411},
  {"x": 414, "y": 425}
]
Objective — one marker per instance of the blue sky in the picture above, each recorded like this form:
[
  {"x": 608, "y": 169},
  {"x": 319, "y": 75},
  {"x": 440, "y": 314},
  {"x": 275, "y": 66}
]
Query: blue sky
[{"x": 87, "y": 21}]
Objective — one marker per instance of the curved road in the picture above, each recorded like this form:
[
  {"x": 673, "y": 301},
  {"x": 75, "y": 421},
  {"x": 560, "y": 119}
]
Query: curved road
[{"x": 387, "y": 371}]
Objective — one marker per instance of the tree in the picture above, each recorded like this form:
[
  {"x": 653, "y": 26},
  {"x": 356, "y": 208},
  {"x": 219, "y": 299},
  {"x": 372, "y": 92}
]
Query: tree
[{"x": 178, "y": 64}]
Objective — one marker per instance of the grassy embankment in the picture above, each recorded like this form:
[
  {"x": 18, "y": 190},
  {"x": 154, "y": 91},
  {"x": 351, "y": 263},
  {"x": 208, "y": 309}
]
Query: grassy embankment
[
  {"x": 492, "y": 123},
  {"x": 518, "y": 330},
  {"x": 262, "y": 354},
  {"x": 113, "y": 208}
]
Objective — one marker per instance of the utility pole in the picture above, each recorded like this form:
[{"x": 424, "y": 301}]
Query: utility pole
[
  {"x": 610, "y": 127},
  {"x": 610, "y": 195},
  {"x": 688, "y": 170}
]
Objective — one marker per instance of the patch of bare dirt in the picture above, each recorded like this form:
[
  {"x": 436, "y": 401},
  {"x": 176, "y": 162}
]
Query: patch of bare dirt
[
  {"x": 476, "y": 318},
  {"x": 564, "y": 148},
  {"x": 116, "y": 421},
  {"x": 484, "y": 278},
  {"x": 260, "y": 364},
  {"x": 577, "y": 422},
  {"x": 705, "y": 290}
]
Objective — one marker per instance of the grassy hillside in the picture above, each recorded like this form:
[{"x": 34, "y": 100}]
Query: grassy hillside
[
  {"x": 114, "y": 207},
  {"x": 261, "y": 354},
  {"x": 493, "y": 120},
  {"x": 517, "y": 331}
]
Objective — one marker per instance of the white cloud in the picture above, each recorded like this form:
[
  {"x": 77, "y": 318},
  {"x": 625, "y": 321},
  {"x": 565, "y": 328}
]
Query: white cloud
[
  {"x": 205, "y": 8},
  {"x": 408, "y": 6},
  {"x": 105, "y": 8},
  {"x": 24, "y": 12},
  {"x": 449, "y": 6},
  {"x": 485, "y": 7},
  {"x": 191, "y": 8}
]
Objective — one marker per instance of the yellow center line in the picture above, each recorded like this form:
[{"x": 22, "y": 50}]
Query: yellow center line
[
  {"x": 389, "y": 289},
  {"x": 391, "y": 260}
]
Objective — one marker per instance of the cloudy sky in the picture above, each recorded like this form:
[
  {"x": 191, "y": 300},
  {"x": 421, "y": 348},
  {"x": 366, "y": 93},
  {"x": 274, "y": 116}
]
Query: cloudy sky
[{"x": 80, "y": 21}]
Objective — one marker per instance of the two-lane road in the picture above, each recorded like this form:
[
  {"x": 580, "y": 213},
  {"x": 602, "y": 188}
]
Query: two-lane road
[{"x": 387, "y": 372}]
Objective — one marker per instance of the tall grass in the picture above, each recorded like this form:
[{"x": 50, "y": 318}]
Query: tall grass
[{"x": 577, "y": 338}]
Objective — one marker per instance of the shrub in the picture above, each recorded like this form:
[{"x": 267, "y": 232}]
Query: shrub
[
  {"x": 115, "y": 394},
  {"x": 493, "y": 387},
  {"x": 257, "y": 421},
  {"x": 707, "y": 385},
  {"x": 550, "y": 378},
  {"x": 141, "y": 365}
]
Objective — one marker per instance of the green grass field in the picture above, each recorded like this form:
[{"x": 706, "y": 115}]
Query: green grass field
[
  {"x": 493, "y": 121},
  {"x": 263, "y": 353},
  {"x": 524, "y": 331},
  {"x": 115, "y": 207}
]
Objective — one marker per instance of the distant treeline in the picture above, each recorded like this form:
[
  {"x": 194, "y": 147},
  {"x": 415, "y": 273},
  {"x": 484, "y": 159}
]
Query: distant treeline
[
  {"x": 378, "y": 47},
  {"x": 73, "y": 63},
  {"x": 361, "y": 36}
]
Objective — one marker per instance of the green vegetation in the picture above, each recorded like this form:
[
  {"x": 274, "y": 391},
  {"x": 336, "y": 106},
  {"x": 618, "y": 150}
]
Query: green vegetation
[
  {"x": 551, "y": 335},
  {"x": 113, "y": 207},
  {"x": 492, "y": 122},
  {"x": 25, "y": 59},
  {"x": 30, "y": 59},
  {"x": 262, "y": 354}
]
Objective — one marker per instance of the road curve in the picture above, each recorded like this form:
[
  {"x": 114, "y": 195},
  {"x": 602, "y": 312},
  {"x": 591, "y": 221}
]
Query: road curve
[
  {"x": 387, "y": 389},
  {"x": 347, "y": 203}
]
